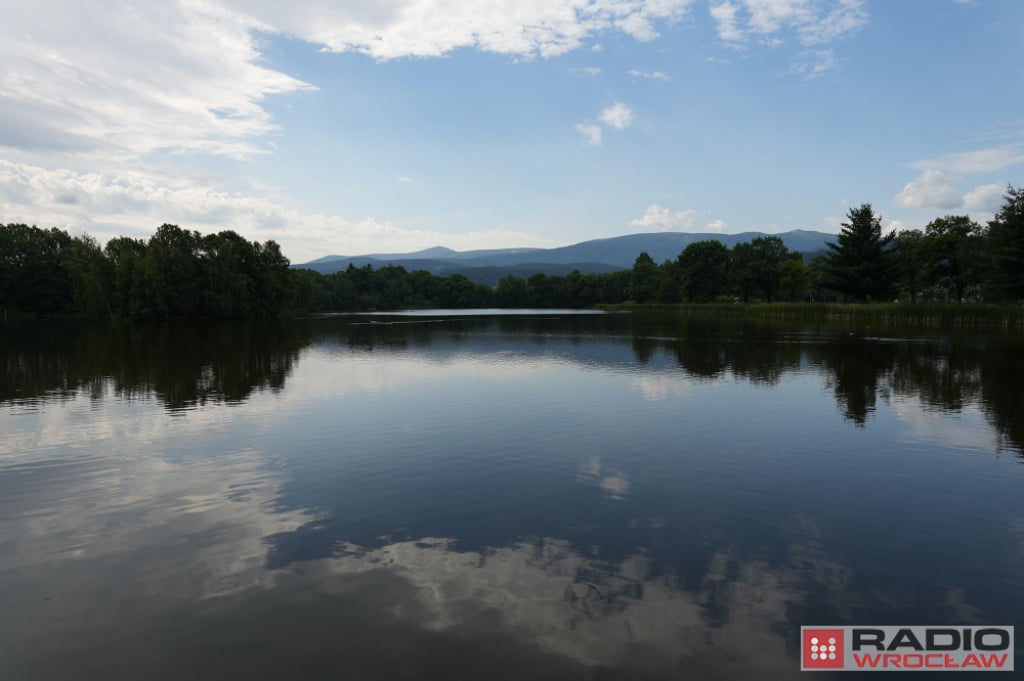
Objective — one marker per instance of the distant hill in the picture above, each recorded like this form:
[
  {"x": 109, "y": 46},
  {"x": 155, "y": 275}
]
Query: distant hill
[
  {"x": 483, "y": 274},
  {"x": 594, "y": 256},
  {"x": 490, "y": 275},
  {"x": 435, "y": 253}
]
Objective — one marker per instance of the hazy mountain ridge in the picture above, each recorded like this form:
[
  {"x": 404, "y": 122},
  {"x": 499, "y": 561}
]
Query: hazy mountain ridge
[
  {"x": 433, "y": 253},
  {"x": 593, "y": 256}
]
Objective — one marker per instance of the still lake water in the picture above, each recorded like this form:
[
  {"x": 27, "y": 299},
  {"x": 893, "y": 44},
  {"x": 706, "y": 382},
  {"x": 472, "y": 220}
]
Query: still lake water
[{"x": 541, "y": 496}]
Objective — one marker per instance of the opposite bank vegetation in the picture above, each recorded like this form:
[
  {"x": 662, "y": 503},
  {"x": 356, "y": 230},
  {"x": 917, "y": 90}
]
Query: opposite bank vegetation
[{"x": 954, "y": 272}]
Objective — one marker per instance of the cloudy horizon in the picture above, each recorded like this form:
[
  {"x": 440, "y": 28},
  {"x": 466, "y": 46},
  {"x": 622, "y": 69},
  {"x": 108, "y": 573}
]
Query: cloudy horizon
[{"x": 348, "y": 128}]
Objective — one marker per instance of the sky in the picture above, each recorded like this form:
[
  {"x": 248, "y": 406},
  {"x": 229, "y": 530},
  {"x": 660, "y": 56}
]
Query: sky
[{"x": 359, "y": 126}]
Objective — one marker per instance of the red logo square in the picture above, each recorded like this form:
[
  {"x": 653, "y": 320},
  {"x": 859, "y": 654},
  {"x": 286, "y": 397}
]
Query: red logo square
[{"x": 821, "y": 648}]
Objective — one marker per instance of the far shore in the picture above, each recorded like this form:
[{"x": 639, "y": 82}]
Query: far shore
[{"x": 923, "y": 314}]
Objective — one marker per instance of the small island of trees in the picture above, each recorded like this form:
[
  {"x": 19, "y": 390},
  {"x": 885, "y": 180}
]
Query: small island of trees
[{"x": 178, "y": 273}]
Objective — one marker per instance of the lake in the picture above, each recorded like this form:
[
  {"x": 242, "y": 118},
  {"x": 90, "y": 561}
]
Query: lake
[{"x": 540, "y": 495}]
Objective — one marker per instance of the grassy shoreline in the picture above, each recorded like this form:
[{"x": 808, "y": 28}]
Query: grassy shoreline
[{"x": 923, "y": 314}]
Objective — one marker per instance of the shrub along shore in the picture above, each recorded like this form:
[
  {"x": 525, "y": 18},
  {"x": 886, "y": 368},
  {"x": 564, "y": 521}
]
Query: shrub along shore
[{"x": 950, "y": 315}]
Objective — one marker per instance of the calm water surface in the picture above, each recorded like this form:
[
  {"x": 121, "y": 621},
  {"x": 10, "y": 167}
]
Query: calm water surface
[{"x": 542, "y": 496}]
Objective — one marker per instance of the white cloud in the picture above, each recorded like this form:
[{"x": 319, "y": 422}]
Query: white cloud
[
  {"x": 592, "y": 133},
  {"x": 724, "y": 14},
  {"x": 649, "y": 75},
  {"x": 403, "y": 179},
  {"x": 815, "y": 63},
  {"x": 135, "y": 204},
  {"x": 133, "y": 78},
  {"x": 618, "y": 116},
  {"x": 835, "y": 222},
  {"x": 932, "y": 189},
  {"x": 812, "y": 22},
  {"x": 819, "y": 27},
  {"x": 986, "y": 198},
  {"x": 977, "y": 162},
  {"x": 716, "y": 226},
  {"x": 662, "y": 219},
  {"x": 588, "y": 70},
  {"x": 187, "y": 75},
  {"x": 431, "y": 28}
]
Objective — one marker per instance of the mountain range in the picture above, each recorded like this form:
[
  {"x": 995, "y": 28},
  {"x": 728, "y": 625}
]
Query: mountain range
[{"x": 596, "y": 256}]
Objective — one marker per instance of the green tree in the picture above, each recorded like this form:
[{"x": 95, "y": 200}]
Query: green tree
[
  {"x": 172, "y": 272},
  {"x": 542, "y": 290},
  {"x": 230, "y": 272},
  {"x": 615, "y": 287},
  {"x": 793, "y": 277},
  {"x": 668, "y": 288},
  {"x": 861, "y": 265},
  {"x": 912, "y": 258},
  {"x": 705, "y": 267},
  {"x": 512, "y": 291},
  {"x": 770, "y": 253},
  {"x": 817, "y": 279},
  {"x": 743, "y": 270},
  {"x": 1006, "y": 247},
  {"x": 92, "y": 277},
  {"x": 954, "y": 246},
  {"x": 128, "y": 292},
  {"x": 33, "y": 269},
  {"x": 643, "y": 279},
  {"x": 579, "y": 290},
  {"x": 310, "y": 291},
  {"x": 756, "y": 266},
  {"x": 274, "y": 283}
]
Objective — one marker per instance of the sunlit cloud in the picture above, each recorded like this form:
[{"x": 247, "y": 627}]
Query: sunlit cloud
[
  {"x": 815, "y": 63},
  {"x": 813, "y": 24},
  {"x": 724, "y": 14},
  {"x": 649, "y": 75},
  {"x": 425, "y": 28},
  {"x": 618, "y": 116},
  {"x": 196, "y": 80},
  {"x": 977, "y": 162},
  {"x": 932, "y": 189},
  {"x": 591, "y": 133},
  {"x": 661, "y": 219},
  {"x": 986, "y": 198},
  {"x": 134, "y": 80}
]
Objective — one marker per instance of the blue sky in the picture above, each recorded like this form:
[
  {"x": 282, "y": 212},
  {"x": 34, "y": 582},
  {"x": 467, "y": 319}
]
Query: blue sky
[{"x": 357, "y": 127}]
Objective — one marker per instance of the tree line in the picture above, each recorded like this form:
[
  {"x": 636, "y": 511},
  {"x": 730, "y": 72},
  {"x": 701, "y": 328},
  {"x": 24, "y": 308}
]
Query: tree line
[
  {"x": 178, "y": 273},
  {"x": 954, "y": 259}
]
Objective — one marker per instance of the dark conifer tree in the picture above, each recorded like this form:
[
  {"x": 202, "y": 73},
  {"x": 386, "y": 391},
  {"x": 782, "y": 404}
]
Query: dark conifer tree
[
  {"x": 861, "y": 266},
  {"x": 1006, "y": 248}
]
